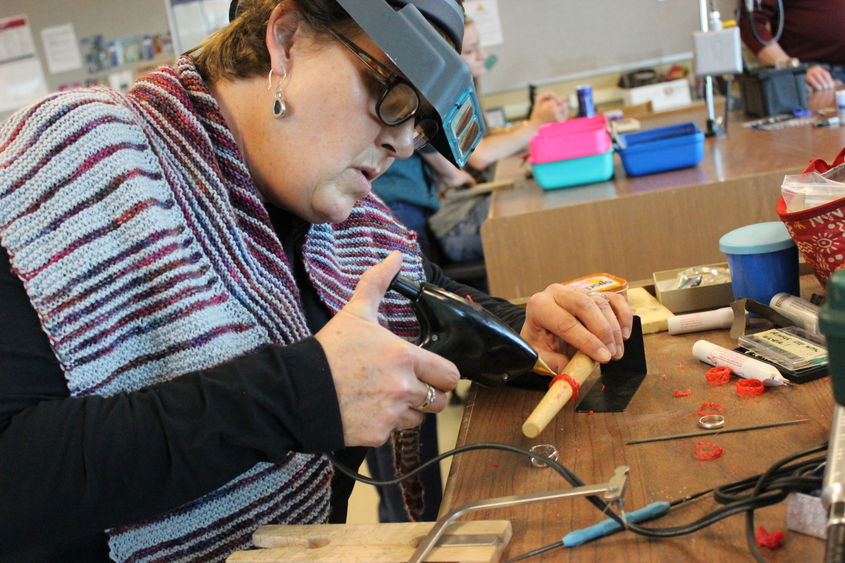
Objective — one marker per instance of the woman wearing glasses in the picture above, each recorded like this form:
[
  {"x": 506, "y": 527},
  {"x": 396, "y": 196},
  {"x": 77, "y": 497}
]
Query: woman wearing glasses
[{"x": 193, "y": 282}]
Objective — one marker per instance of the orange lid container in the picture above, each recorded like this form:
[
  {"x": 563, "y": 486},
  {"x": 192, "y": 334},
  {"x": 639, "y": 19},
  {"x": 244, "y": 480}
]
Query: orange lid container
[{"x": 600, "y": 282}]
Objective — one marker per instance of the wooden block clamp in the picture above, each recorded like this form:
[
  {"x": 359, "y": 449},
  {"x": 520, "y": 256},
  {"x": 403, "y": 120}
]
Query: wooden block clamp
[
  {"x": 579, "y": 369},
  {"x": 473, "y": 541}
]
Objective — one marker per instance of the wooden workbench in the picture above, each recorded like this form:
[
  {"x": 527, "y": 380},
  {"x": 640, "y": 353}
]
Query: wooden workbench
[
  {"x": 593, "y": 445},
  {"x": 632, "y": 227}
]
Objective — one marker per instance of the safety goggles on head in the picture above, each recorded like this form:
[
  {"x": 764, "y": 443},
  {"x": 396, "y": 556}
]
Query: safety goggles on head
[
  {"x": 437, "y": 74},
  {"x": 398, "y": 101}
]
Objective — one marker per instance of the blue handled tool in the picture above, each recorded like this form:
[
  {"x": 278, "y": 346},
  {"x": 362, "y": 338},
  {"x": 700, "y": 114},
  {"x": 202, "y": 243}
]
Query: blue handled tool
[
  {"x": 606, "y": 527},
  {"x": 610, "y": 526}
]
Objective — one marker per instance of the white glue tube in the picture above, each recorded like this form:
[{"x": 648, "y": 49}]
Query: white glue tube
[
  {"x": 705, "y": 320},
  {"x": 743, "y": 366},
  {"x": 800, "y": 311}
]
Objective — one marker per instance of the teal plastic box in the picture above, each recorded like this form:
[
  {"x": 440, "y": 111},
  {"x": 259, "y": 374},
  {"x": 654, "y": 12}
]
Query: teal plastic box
[{"x": 574, "y": 171}]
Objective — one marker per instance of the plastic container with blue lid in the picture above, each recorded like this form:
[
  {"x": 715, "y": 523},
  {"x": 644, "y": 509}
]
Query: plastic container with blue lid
[
  {"x": 660, "y": 150},
  {"x": 763, "y": 260}
]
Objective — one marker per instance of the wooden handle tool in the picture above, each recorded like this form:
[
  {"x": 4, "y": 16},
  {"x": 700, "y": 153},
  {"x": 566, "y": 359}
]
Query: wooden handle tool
[{"x": 579, "y": 368}]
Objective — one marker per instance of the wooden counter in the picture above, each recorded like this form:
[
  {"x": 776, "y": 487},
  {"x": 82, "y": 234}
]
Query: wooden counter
[
  {"x": 632, "y": 227},
  {"x": 593, "y": 445}
]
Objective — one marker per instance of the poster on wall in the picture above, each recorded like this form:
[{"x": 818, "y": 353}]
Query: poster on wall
[
  {"x": 192, "y": 21},
  {"x": 485, "y": 15},
  {"x": 21, "y": 76},
  {"x": 61, "y": 48}
]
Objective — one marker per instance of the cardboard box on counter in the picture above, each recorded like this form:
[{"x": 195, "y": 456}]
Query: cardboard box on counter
[{"x": 699, "y": 298}]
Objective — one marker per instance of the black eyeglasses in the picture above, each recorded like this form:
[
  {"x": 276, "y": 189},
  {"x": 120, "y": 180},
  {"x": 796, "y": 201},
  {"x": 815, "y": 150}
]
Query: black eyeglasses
[{"x": 399, "y": 101}]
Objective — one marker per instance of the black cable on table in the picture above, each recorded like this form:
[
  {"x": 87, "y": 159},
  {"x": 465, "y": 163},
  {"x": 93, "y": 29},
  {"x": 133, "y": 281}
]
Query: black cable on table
[{"x": 769, "y": 488}]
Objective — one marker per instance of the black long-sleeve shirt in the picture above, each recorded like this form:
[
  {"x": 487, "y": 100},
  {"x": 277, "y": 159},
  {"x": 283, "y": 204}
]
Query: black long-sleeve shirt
[
  {"x": 813, "y": 30},
  {"x": 72, "y": 467}
]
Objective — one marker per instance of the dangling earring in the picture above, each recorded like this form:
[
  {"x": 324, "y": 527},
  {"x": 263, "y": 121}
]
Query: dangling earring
[{"x": 280, "y": 108}]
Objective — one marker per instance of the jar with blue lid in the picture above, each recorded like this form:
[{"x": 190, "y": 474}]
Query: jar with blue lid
[{"x": 763, "y": 260}]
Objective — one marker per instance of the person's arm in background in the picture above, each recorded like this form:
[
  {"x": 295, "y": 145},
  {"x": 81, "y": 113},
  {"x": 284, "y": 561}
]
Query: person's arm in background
[
  {"x": 817, "y": 77},
  {"x": 449, "y": 175},
  {"x": 496, "y": 145}
]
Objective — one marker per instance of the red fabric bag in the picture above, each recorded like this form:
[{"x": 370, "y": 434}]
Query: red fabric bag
[{"x": 819, "y": 232}]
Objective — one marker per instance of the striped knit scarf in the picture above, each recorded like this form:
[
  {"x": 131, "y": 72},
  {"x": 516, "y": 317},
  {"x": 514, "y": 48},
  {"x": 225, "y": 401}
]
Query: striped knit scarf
[{"x": 145, "y": 250}]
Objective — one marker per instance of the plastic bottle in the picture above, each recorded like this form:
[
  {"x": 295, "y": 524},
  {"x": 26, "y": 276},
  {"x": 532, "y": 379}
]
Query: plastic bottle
[
  {"x": 840, "y": 105},
  {"x": 703, "y": 320},
  {"x": 800, "y": 311},
  {"x": 832, "y": 324},
  {"x": 741, "y": 365}
]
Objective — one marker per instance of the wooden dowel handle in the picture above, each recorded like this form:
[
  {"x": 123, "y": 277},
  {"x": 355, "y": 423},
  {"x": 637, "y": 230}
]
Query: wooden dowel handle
[{"x": 579, "y": 368}]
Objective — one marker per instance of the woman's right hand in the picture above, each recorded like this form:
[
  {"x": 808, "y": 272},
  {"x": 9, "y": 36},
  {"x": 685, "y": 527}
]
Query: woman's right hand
[
  {"x": 380, "y": 378},
  {"x": 818, "y": 78}
]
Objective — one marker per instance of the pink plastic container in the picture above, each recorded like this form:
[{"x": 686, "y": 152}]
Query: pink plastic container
[{"x": 575, "y": 138}]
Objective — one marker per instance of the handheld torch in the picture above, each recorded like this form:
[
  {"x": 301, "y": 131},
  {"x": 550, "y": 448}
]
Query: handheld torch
[{"x": 482, "y": 346}]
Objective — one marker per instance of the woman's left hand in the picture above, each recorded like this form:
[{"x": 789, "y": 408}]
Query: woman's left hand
[
  {"x": 458, "y": 178},
  {"x": 560, "y": 319},
  {"x": 549, "y": 107}
]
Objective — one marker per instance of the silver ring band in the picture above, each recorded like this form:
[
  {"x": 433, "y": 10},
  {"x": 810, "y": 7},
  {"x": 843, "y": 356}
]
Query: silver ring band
[
  {"x": 545, "y": 450},
  {"x": 430, "y": 396},
  {"x": 598, "y": 294},
  {"x": 711, "y": 421}
]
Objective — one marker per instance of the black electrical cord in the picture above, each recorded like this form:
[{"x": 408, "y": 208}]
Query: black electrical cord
[
  {"x": 768, "y": 488},
  {"x": 778, "y": 480},
  {"x": 800, "y": 476},
  {"x": 563, "y": 471},
  {"x": 776, "y": 37}
]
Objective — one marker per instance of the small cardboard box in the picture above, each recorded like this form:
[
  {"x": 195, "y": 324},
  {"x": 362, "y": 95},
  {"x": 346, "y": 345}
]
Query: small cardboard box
[
  {"x": 691, "y": 298},
  {"x": 663, "y": 95}
]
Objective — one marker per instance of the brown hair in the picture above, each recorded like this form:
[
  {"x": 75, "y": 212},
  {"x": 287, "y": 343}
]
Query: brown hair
[{"x": 239, "y": 50}]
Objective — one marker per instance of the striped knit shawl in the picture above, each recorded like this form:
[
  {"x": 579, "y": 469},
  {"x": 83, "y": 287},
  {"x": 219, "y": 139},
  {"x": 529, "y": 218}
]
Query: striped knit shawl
[{"x": 146, "y": 252}]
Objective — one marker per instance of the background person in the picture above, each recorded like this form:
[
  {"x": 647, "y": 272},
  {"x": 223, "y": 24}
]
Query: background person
[
  {"x": 502, "y": 143},
  {"x": 410, "y": 189},
  {"x": 812, "y": 33},
  {"x": 457, "y": 224}
]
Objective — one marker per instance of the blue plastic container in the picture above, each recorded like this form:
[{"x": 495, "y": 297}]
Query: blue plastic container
[
  {"x": 574, "y": 171},
  {"x": 659, "y": 150},
  {"x": 763, "y": 260}
]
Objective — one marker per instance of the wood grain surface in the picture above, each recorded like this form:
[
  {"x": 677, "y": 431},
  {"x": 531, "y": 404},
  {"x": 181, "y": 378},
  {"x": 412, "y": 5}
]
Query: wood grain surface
[{"x": 593, "y": 445}]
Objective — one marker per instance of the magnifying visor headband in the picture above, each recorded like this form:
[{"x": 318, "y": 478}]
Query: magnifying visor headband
[{"x": 429, "y": 64}]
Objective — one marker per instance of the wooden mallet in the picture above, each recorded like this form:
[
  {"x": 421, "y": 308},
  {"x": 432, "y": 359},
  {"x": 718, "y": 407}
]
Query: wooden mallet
[{"x": 579, "y": 369}]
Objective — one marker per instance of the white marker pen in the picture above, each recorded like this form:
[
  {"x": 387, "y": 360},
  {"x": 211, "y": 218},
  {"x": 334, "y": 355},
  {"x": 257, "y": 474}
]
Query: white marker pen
[
  {"x": 743, "y": 366},
  {"x": 704, "y": 320}
]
